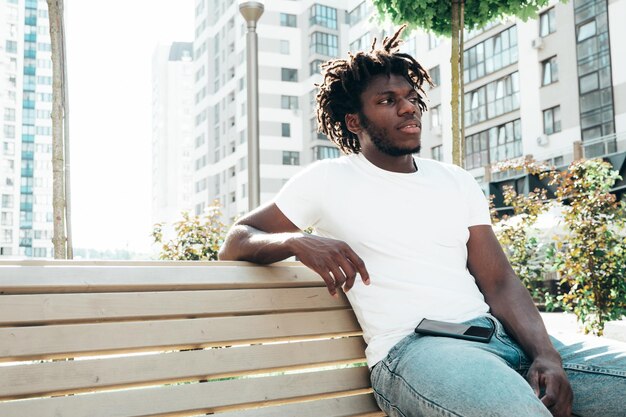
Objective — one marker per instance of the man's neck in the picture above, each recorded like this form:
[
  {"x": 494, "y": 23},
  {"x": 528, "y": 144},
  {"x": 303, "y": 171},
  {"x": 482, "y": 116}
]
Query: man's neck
[{"x": 404, "y": 164}]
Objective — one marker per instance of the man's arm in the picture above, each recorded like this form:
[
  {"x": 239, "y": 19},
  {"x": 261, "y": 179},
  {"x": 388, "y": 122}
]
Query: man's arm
[
  {"x": 511, "y": 303},
  {"x": 266, "y": 235}
]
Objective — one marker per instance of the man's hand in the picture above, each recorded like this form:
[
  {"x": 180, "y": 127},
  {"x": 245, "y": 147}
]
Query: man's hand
[
  {"x": 334, "y": 260},
  {"x": 548, "y": 375}
]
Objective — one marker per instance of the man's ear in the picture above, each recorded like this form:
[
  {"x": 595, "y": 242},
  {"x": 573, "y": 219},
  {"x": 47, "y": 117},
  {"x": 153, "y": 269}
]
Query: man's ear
[{"x": 353, "y": 123}]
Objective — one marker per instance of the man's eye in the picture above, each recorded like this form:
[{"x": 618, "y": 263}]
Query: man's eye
[
  {"x": 386, "y": 101},
  {"x": 414, "y": 100}
]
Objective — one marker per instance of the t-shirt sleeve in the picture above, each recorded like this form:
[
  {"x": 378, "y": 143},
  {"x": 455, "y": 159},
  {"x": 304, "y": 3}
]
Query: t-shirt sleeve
[
  {"x": 477, "y": 203},
  {"x": 301, "y": 198}
]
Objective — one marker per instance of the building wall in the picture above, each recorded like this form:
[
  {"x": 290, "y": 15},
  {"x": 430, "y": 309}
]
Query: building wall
[
  {"x": 172, "y": 132},
  {"x": 220, "y": 91},
  {"x": 25, "y": 170}
]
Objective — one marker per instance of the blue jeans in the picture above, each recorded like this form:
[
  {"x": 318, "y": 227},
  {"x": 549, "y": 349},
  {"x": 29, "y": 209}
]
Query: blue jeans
[{"x": 430, "y": 376}]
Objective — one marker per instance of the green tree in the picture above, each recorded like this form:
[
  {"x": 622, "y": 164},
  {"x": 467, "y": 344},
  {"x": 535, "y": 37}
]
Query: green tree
[
  {"x": 197, "y": 238},
  {"x": 450, "y": 18}
]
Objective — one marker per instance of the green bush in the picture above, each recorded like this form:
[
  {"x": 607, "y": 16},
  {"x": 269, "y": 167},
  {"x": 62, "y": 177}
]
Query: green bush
[
  {"x": 197, "y": 238},
  {"x": 590, "y": 257}
]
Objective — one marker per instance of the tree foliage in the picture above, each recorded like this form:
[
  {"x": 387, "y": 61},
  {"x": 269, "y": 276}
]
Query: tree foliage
[
  {"x": 197, "y": 238},
  {"x": 521, "y": 245},
  {"x": 435, "y": 16},
  {"x": 590, "y": 258}
]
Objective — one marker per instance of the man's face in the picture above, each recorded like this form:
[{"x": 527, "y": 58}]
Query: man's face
[{"x": 390, "y": 117}]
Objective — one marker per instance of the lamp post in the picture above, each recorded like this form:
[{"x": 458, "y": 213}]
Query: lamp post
[{"x": 251, "y": 12}]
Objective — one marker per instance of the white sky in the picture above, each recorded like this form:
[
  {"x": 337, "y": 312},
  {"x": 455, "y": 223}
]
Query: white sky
[{"x": 109, "y": 48}]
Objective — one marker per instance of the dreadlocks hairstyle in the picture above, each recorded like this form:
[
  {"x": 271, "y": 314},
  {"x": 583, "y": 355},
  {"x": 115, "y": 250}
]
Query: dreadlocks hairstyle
[{"x": 345, "y": 80}]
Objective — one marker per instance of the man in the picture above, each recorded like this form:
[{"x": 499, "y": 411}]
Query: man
[{"x": 417, "y": 233}]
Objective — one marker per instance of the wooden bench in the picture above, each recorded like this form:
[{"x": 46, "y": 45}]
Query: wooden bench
[{"x": 177, "y": 339}]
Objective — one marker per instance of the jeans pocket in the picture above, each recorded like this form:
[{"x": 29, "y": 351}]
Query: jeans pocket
[{"x": 516, "y": 356}]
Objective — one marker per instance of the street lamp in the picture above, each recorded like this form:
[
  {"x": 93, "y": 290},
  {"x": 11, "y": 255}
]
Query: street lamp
[{"x": 251, "y": 12}]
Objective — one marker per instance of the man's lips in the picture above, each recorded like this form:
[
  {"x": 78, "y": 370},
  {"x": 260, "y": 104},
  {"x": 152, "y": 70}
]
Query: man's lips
[{"x": 410, "y": 126}]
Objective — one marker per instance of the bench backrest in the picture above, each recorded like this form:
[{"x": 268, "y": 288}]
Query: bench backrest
[{"x": 177, "y": 339}]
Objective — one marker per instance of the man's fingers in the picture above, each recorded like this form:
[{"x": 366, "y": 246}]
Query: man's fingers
[
  {"x": 359, "y": 265},
  {"x": 533, "y": 380},
  {"x": 350, "y": 273},
  {"x": 329, "y": 280},
  {"x": 339, "y": 276}
]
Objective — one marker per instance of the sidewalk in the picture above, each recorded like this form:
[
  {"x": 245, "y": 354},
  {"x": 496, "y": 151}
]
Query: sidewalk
[{"x": 564, "y": 323}]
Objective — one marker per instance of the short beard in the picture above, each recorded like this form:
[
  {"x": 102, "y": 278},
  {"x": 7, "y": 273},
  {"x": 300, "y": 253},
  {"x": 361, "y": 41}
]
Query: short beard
[{"x": 379, "y": 139}]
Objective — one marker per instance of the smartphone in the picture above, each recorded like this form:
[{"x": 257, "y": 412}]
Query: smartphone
[{"x": 459, "y": 331}]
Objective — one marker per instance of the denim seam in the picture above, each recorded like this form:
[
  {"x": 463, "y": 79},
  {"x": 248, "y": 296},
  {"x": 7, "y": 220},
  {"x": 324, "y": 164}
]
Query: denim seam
[
  {"x": 418, "y": 396},
  {"x": 593, "y": 370},
  {"x": 388, "y": 404}
]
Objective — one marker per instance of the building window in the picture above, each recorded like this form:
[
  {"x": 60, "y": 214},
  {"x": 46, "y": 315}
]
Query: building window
[
  {"x": 549, "y": 71},
  {"x": 289, "y": 74},
  {"x": 325, "y": 152},
  {"x": 285, "y": 129},
  {"x": 315, "y": 66},
  {"x": 324, "y": 44},
  {"x": 490, "y": 55},
  {"x": 323, "y": 16},
  {"x": 552, "y": 120},
  {"x": 288, "y": 20},
  {"x": 284, "y": 47},
  {"x": 358, "y": 13},
  {"x": 436, "y": 153},
  {"x": 361, "y": 44},
  {"x": 434, "y": 75},
  {"x": 433, "y": 41},
  {"x": 7, "y": 201},
  {"x": 291, "y": 158},
  {"x": 547, "y": 23},
  {"x": 435, "y": 121},
  {"x": 496, "y": 144},
  {"x": 10, "y": 46},
  {"x": 288, "y": 102},
  {"x": 586, "y": 31}
]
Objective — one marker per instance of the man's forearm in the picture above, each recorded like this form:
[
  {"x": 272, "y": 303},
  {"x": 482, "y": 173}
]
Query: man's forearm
[
  {"x": 514, "y": 307},
  {"x": 245, "y": 243}
]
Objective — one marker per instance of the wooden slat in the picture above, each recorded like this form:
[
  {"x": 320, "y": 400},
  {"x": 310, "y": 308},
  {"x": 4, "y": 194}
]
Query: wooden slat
[
  {"x": 68, "y": 279},
  {"x": 82, "y": 339},
  {"x": 53, "y": 378},
  {"x": 354, "y": 406},
  {"x": 134, "y": 263},
  {"x": 190, "y": 399},
  {"x": 55, "y": 308}
]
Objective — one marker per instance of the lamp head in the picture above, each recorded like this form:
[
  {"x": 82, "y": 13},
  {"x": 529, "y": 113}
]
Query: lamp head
[{"x": 251, "y": 10}]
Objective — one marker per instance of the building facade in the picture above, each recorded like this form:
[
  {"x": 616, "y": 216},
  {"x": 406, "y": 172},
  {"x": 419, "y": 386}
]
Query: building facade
[
  {"x": 26, "y": 148},
  {"x": 172, "y": 131},
  {"x": 552, "y": 88}
]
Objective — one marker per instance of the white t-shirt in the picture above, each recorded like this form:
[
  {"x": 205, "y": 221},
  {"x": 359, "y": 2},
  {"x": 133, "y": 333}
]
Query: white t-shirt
[{"x": 410, "y": 230}]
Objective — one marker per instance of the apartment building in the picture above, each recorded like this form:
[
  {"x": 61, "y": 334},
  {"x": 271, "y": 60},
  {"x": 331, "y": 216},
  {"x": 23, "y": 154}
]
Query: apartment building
[
  {"x": 294, "y": 38},
  {"x": 552, "y": 88},
  {"x": 172, "y": 131},
  {"x": 26, "y": 134}
]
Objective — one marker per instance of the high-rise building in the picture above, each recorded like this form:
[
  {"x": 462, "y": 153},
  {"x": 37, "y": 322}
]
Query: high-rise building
[
  {"x": 26, "y": 148},
  {"x": 553, "y": 88},
  {"x": 294, "y": 38},
  {"x": 172, "y": 131}
]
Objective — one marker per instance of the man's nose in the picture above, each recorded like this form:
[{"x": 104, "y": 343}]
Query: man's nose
[{"x": 407, "y": 107}]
